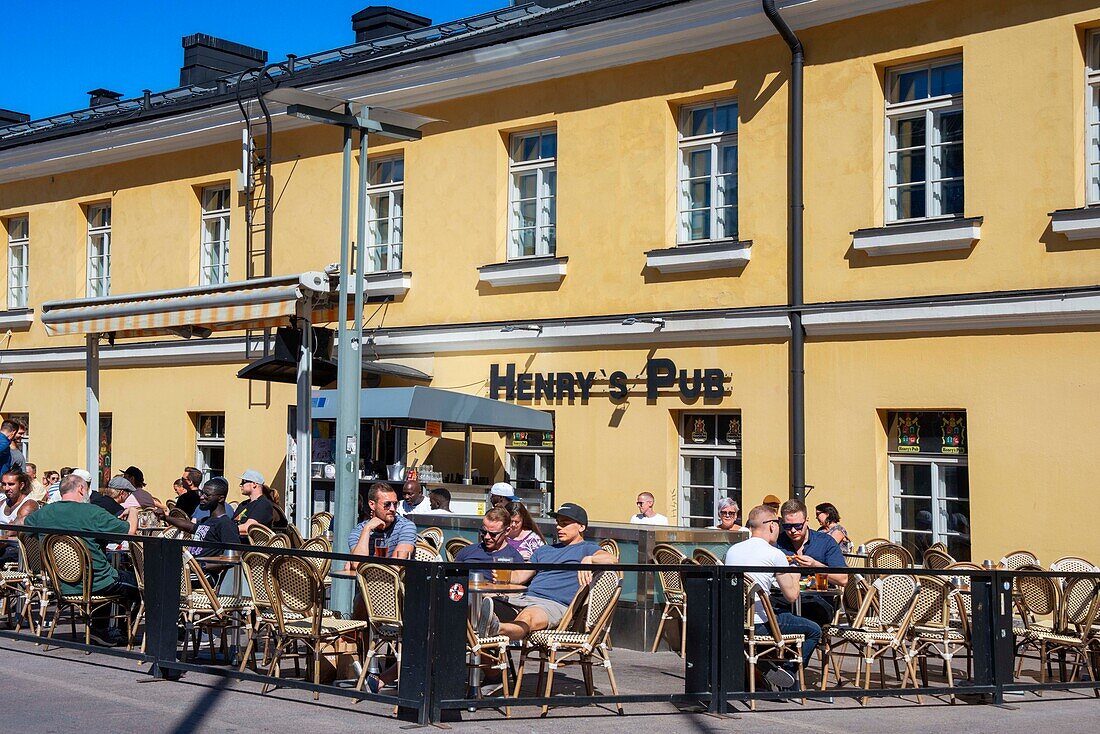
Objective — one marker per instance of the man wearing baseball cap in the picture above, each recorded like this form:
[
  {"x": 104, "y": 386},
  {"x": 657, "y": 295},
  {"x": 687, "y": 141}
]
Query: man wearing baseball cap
[
  {"x": 549, "y": 592},
  {"x": 501, "y": 494},
  {"x": 258, "y": 509}
]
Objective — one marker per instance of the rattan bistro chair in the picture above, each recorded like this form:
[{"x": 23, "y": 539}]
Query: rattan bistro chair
[
  {"x": 202, "y": 608},
  {"x": 774, "y": 645},
  {"x": 297, "y": 589},
  {"x": 1073, "y": 564},
  {"x": 261, "y": 535},
  {"x": 934, "y": 558},
  {"x": 454, "y": 545},
  {"x": 320, "y": 544},
  {"x": 137, "y": 559},
  {"x": 889, "y": 556},
  {"x": 13, "y": 583},
  {"x": 487, "y": 653},
  {"x": 68, "y": 562},
  {"x": 382, "y": 590},
  {"x": 1074, "y": 635},
  {"x": 320, "y": 523},
  {"x": 38, "y": 590},
  {"x": 704, "y": 557},
  {"x": 433, "y": 536},
  {"x": 1017, "y": 559},
  {"x": 585, "y": 644},
  {"x": 423, "y": 551},
  {"x": 940, "y": 627},
  {"x": 611, "y": 546},
  {"x": 675, "y": 598}
]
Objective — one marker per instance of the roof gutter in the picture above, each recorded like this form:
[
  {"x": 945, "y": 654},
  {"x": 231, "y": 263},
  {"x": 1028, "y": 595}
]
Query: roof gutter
[{"x": 796, "y": 397}]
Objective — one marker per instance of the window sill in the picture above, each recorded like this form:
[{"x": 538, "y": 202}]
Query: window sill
[
  {"x": 720, "y": 255},
  {"x": 935, "y": 235},
  {"x": 17, "y": 318},
  {"x": 528, "y": 271},
  {"x": 1077, "y": 224},
  {"x": 391, "y": 283}
]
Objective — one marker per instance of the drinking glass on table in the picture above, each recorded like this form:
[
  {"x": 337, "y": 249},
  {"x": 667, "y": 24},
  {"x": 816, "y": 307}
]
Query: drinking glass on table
[
  {"x": 378, "y": 547},
  {"x": 502, "y": 575}
]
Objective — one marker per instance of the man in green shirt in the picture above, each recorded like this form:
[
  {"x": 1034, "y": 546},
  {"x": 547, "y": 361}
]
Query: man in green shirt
[{"x": 74, "y": 512}]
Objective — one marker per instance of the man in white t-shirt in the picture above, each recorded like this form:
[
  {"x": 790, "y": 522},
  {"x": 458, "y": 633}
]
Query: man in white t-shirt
[
  {"x": 760, "y": 550},
  {"x": 646, "y": 515}
]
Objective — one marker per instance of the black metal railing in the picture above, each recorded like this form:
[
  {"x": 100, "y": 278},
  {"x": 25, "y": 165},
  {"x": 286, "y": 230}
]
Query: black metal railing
[{"x": 432, "y": 686}]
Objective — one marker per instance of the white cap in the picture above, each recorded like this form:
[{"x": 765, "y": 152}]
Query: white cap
[
  {"x": 502, "y": 489},
  {"x": 86, "y": 476},
  {"x": 253, "y": 476}
]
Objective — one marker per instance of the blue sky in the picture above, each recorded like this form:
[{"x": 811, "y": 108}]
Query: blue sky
[{"x": 54, "y": 51}]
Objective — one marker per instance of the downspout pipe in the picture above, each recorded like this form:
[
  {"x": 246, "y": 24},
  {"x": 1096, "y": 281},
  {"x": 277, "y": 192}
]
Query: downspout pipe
[{"x": 796, "y": 396}]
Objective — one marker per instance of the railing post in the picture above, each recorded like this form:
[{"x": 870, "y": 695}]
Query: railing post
[
  {"x": 700, "y": 652},
  {"x": 731, "y": 637},
  {"x": 434, "y": 641},
  {"x": 991, "y": 619},
  {"x": 163, "y": 566}
]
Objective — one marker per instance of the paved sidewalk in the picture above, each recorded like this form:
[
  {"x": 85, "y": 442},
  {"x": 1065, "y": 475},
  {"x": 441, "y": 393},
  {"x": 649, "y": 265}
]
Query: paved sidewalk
[{"x": 72, "y": 691}]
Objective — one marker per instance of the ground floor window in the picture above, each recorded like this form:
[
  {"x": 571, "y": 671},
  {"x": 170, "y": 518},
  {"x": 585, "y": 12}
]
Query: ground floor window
[
  {"x": 530, "y": 456},
  {"x": 929, "y": 481},
  {"x": 210, "y": 445},
  {"x": 710, "y": 465}
]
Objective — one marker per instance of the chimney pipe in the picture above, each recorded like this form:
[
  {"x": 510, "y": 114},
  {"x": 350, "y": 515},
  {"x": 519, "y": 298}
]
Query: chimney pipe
[
  {"x": 103, "y": 96},
  {"x": 206, "y": 58},
  {"x": 379, "y": 21}
]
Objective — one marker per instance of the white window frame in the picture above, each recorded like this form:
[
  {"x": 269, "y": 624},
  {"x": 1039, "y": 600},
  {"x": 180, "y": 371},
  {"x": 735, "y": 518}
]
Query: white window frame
[
  {"x": 205, "y": 443},
  {"x": 718, "y": 453},
  {"x": 214, "y": 250},
  {"x": 1092, "y": 119},
  {"x": 19, "y": 234},
  {"x": 939, "y": 498},
  {"x": 931, "y": 109},
  {"x": 715, "y": 141},
  {"x": 545, "y": 199},
  {"x": 99, "y": 248},
  {"x": 386, "y": 257}
]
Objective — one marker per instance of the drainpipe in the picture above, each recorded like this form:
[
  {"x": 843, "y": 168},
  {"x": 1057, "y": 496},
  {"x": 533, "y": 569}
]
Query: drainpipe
[{"x": 796, "y": 396}]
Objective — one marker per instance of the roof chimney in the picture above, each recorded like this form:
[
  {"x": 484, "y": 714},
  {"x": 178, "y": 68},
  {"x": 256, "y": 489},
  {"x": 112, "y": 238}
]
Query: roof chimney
[
  {"x": 103, "y": 96},
  {"x": 378, "y": 21},
  {"x": 206, "y": 58},
  {"x": 10, "y": 117}
]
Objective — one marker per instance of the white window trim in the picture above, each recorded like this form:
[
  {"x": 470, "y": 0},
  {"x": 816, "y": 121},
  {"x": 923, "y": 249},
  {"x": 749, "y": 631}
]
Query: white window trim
[
  {"x": 396, "y": 214},
  {"x": 1092, "y": 118},
  {"x": 938, "y": 499},
  {"x": 18, "y": 275},
  {"x": 715, "y": 141},
  {"x": 215, "y": 269},
  {"x": 717, "y": 453},
  {"x": 94, "y": 232},
  {"x": 543, "y": 221},
  {"x": 207, "y": 442},
  {"x": 931, "y": 107}
]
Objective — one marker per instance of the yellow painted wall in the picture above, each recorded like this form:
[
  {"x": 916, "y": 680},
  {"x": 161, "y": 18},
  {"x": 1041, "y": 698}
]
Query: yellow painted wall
[{"x": 1031, "y": 416}]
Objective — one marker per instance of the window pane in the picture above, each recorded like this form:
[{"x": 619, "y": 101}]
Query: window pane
[
  {"x": 730, "y": 471},
  {"x": 550, "y": 181},
  {"x": 380, "y": 232},
  {"x": 956, "y": 481},
  {"x": 947, "y": 79},
  {"x": 526, "y": 185},
  {"x": 725, "y": 118},
  {"x": 916, "y": 480},
  {"x": 551, "y": 209},
  {"x": 727, "y": 222},
  {"x": 958, "y": 546},
  {"x": 548, "y": 241},
  {"x": 910, "y": 85},
  {"x": 698, "y": 162},
  {"x": 950, "y": 195},
  {"x": 727, "y": 159},
  {"x": 523, "y": 242},
  {"x": 910, "y": 202},
  {"x": 701, "y": 121},
  {"x": 950, "y": 126},
  {"x": 701, "y": 501},
  {"x": 698, "y": 193},
  {"x": 916, "y": 514},
  {"x": 727, "y": 191},
  {"x": 549, "y": 145},
  {"x": 917, "y": 543},
  {"x": 909, "y": 167},
  {"x": 381, "y": 206},
  {"x": 17, "y": 229},
  {"x": 951, "y": 161},
  {"x": 700, "y": 471},
  {"x": 910, "y": 132},
  {"x": 377, "y": 259},
  {"x": 697, "y": 225},
  {"x": 525, "y": 213}
]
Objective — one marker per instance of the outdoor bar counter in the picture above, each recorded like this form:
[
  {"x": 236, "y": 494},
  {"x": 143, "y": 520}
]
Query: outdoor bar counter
[{"x": 642, "y": 598}]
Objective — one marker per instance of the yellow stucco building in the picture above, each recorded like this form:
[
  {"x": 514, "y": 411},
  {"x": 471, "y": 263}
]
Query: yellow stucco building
[{"x": 608, "y": 189}]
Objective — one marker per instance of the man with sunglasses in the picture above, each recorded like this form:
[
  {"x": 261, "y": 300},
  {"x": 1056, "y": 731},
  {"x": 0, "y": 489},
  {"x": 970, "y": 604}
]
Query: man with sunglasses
[
  {"x": 646, "y": 515},
  {"x": 809, "y": 549},
  {"x": 493, "y": 535},
  {"x": 383, "y": 526}
]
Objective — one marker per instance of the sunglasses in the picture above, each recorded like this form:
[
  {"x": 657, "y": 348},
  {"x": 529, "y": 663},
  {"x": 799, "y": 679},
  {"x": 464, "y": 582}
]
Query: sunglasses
[
  {"x": 388, "y": 505},
  {"x": 490, "y": 533},
  {"x": 725, "y": 513},
  {"x": 766, "y": 522},
  {"x": 792, "y": 526}
]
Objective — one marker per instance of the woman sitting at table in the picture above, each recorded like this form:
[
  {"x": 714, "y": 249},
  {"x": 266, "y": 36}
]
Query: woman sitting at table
[
  {"x": 728, "y": 510},
  {"x": 523, "y": 535},
  {"x": 828, "y": 517}
]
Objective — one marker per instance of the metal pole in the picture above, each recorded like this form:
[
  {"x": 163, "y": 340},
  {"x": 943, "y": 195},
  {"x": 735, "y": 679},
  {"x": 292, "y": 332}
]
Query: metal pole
[
  {"x": 468, "y": 456},
  {"x": 91, "y": 437},
  {"x": 348, "y": 381},
  {"x": 303, "y": 429}
]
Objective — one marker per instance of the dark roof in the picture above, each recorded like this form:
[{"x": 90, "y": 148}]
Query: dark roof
[{"x": 478, "y": 31}]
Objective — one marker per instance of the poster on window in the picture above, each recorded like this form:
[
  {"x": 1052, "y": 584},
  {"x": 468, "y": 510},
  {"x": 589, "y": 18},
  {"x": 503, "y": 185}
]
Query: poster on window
[
  {"x": 928, "y": 432},
  {"x": 104, "y": 450}
]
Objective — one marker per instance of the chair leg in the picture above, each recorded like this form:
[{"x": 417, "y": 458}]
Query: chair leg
[
  {"x": 683, "y": 630},
  {"x": 611, "y": 679},
  {"x": 551, "y": 664},
  {"x": 751, "y": 656},
  {"x": 520, "y": 671},
  {"x": 660, "y": 628}
]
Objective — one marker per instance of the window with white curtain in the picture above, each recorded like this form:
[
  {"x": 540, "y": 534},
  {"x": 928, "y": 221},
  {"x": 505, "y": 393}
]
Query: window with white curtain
[
  {"x": 214, "y": 258},
  {"x": 533, "y": 174},
  {"x": 708, "y": 172},
  {"x": 924, "y": 140},
  {"x": 18, "y": 263},
  {"x": 99, "y": 250},
  {"x": 386, "y": 191},
  {"x": 1093, "y": 106}
]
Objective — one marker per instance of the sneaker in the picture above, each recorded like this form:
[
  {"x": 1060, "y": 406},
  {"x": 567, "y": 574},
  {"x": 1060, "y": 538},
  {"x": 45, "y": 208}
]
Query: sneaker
[
  {"x": 780, "y": 679},
  {"x": 108, "y": 637},
  {"x": 374, "y": 683}
]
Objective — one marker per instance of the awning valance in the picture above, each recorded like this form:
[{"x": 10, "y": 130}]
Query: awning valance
[{"x": 250, "y": 304}]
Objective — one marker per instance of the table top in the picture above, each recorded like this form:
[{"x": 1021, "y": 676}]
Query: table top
[
  {"x": 218, "y": 559},
  {"x": 495, "y": 588},
  {"x": 342, "y": 574}
]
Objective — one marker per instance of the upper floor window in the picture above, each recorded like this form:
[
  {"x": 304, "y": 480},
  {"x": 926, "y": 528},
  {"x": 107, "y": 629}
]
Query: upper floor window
[
  {"x": 708, "y": 172},
  {"x": 1093, "y": 104},
  {"x": 386, "y": 189},
  {"x": 214, "y": 257},
  {"x": 18, "y": 241},
  {"x": 99, "y": 250},
  {"x": 533, "y": 171},
  {"x": 924, "y": 142}
]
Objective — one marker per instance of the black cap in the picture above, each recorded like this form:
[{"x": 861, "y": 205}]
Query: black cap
[
  {"x": 573, "y": 512},
  {"x": 137, "y": 475}
]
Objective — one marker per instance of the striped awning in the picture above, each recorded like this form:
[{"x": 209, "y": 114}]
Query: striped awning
[{"x": 233, "y": 306}]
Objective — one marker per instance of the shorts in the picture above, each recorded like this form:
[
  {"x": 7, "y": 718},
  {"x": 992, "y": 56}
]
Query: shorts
[{"x": 508, "y": 608}]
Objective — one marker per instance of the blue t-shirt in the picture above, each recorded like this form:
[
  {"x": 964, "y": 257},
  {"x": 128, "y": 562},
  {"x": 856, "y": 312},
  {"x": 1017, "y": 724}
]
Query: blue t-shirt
[
  {"x": 476, "y": 553},
  {"x": 559, "y": 586},
  {"x": 401, "y": 532},
  {"x": 819, "y": 546}
]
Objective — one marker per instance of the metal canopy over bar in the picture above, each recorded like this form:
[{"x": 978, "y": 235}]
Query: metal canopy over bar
[{"x": 412, "y": 407}]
